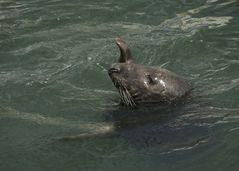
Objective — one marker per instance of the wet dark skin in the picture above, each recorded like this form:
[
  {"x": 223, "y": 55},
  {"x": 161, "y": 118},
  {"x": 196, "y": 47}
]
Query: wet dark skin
[{"x": 139, "y": 84}]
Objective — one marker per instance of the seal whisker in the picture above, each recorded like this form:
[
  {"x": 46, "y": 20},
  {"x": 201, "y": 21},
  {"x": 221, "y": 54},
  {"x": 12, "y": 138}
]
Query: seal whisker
[
  {"x": 125, "y": 96},
  {"x": 122, "y": 96},
  {"x": 128, "y": 96}
]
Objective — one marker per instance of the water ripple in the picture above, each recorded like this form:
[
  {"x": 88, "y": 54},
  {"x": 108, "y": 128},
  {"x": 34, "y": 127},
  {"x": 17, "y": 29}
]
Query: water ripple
[{"x": 55, "y": 54}]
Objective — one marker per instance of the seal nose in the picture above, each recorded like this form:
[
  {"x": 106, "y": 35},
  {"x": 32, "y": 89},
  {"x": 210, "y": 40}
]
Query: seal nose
[{"x": 114, "y": 69}]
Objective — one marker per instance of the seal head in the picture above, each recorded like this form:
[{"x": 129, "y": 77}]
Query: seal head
[{"x": 139, "y": 84}]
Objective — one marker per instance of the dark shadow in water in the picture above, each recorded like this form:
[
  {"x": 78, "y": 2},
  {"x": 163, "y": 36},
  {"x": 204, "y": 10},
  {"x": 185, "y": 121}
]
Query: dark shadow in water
[
  {"x": 172, "y": 128},
  {"x": 153, "y": 125}
]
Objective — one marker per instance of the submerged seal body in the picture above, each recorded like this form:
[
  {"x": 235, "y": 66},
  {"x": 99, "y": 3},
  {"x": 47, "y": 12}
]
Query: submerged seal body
[{"x": 138, "y": 84}]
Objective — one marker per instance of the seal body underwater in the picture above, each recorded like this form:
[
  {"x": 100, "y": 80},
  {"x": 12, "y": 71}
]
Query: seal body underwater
[{"x": 139, "y": 84}]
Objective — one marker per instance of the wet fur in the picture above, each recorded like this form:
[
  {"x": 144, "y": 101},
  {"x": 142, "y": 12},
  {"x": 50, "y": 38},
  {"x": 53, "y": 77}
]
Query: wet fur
[{"x": 139, "y": 84}]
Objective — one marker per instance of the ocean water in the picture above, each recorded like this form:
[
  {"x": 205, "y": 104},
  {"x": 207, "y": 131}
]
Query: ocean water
[{"x": 57, "y": 101}]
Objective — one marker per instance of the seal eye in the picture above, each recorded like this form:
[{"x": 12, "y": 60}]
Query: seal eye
[{"x": 150, "y": 80}]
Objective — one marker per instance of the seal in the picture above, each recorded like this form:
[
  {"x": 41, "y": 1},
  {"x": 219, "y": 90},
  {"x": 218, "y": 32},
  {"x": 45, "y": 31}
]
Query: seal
[{"x": 140, "y": 84}]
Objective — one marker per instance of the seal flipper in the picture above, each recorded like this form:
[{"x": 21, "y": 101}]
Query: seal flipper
[{"x": 125, "y": 54}]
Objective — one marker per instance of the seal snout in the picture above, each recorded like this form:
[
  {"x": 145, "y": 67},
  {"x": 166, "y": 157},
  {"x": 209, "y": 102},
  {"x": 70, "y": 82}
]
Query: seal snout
[{"x": 114, "y": 69}]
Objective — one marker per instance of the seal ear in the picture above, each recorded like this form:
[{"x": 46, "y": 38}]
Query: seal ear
[{"x": 125, "y": 54}]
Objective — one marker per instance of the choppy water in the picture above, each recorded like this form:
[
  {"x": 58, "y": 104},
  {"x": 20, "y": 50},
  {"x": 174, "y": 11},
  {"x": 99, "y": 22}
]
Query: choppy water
[{"x": 54, "y": 57}]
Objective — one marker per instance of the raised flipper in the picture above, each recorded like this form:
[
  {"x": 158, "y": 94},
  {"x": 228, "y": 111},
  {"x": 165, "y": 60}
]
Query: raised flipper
[{"x": 125, "y": 54}]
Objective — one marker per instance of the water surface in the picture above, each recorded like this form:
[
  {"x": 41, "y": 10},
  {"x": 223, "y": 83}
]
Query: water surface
[{"x": 54, "y": 57}]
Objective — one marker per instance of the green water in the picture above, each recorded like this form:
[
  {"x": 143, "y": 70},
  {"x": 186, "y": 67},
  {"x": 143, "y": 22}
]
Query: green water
[{"x": 54, "y": 57}]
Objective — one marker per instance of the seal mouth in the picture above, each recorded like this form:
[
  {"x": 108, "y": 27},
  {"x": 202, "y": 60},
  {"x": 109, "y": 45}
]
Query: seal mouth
[{"x": 125, "y": 96}]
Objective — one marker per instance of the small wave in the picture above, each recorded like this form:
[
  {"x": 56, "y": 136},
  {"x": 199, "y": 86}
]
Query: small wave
[
  {"x": 222, "y": 86},
  {"x": 88, "y": 89},
  {"x": 187, "y": 23},
  {"x": 40, "y": 119},
  {"x": 208, "y": 4},
  {"x": 186, "y": 148}
]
